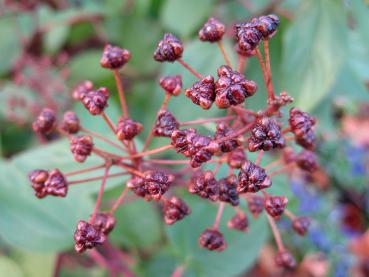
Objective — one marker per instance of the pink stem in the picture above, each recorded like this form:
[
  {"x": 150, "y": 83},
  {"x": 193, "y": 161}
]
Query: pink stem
[
  {"x": 190, "y": 69},
  {"x": 99, "y": 196},
  {"x": 219, "y": 215}
]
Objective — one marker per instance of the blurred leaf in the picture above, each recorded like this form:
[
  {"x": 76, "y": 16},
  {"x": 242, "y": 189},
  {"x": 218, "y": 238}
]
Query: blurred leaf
[
  {"x": 314, "y": 51},
  {"x": 34, "y": 264},
  {"x": 162, "y": 264},
  {"x": 184, "y": 17},
  {"x": 55, "y": 38},
  {"x": 10, "y": 46},
  {"x": 139, "y": 225},
  {"x": 242, "y": 250},
  {"x": 9, "y": 268}
]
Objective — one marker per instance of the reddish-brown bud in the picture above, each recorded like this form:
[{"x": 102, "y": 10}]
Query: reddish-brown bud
[
  {"x": 70, "y": 123},
  {"x": 236, "y": 158},
  {"x": 212, "y": 31},
  {"x": 127, "y": 129},
  {"x": 266, "y": 24},
  {"x": 228, "y": 190},
  {"x": 285, "y": 259},
  {"x": 45, "y": 122},
  {"x": 205, "y": 185},
  {"x": 224, "y": 131},
  {"x": 96, "y": 101},
  {"x": 104, "y": 222},
  {"x": 212, "y": 239},
  {"x": 307, "y": 161},
  {"x": 247, "y": 36},
  {"x": 44, "y": 183},
  {"x": 114, "y": 57},
  {"x": 238, "y": 222},
  {"x": 266, "y": 135},
  {"x": 274, "y": 205},
  {"x": 165, "y": 124},
  {"x": 87, "y": 236},
  {"x": 301, "y": 225},
  {"x": 244, "y": 53},
  {"x": 202, "y": 92},
  {"x": 232, "y": 88},
  {"x": 82, "y": 89},
  {"x": 255, "y": 203},
  {"x": 175, "y": 209},
  {"x": 81, "y": 147},
  {"x": 172, "y": 84},
  {"x": 169, "y": 49},
  {"x": 302, "y": 124},
  {"x": 252, "y": 178}
]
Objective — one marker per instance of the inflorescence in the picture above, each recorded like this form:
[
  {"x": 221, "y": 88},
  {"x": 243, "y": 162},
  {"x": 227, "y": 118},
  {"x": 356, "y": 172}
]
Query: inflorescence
[{"x": 239, "y": 131}]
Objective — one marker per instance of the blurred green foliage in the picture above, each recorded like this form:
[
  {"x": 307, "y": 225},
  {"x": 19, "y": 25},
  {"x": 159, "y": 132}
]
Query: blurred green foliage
[{"x": 319, "y": 53}]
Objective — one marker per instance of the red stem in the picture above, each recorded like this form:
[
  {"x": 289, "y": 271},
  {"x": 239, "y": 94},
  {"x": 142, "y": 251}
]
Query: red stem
[
  {"x": 108, "y": 121},
  {"x": 102, "y": 138},
  {"x": 84, "y": 170},
  {"x": 218, "y": 216},
  {"x": 276, "y": 234},
  {"x": 178, "y": 271},
  {"x": 268, "y": 69},
  {"x": 170, "y": 162},
  {"x": 260, "y": 155},
  {"x": 99, "y": 196},
  {"x": 224, "y": 53},
  {"x": 190, "y": 69},
  {"x": 265, "y": 73},
  {"x": 150, "y": 152},
  {"x": 203, "y": 121},
  {"x": 241, "y": 63},
  {"x": 122, "y": 98},
  {"x": 96, "y": 178},
  {"x": 119, "y": 201}
]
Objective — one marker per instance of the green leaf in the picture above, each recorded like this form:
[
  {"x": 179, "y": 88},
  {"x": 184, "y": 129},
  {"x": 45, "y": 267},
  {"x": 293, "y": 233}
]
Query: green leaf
[
  {"x": 9, "y": 268},
  {"x": 10, "y": 45},
  {"x": 184, "y": 17},
  {"x": 314, "y": 51},
  {"x": 139, "y": 225},
  {"x": 242, "y": 250},
  {"x": 34, "y": 264},
  {"x": 55, "y": 38}
]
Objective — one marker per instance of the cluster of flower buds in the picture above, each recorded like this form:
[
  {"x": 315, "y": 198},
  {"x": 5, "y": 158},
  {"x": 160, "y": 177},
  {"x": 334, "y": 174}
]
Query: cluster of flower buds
[{"x": 239, "y": 131}]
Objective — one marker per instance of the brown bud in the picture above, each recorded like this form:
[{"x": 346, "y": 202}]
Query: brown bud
[
  {"x": 82, "y": 89},
  {"x": 127, "y": 129},
  {"x": 81, "y": 147},
  {"x": 104, "y": 222},
  {"x": 45, "y": 121},
  {"x": 87, "y": 236},
  {"x": 252, "y": 178},
  {"x": 96, "y": 101},
  {"x": 70, "y": 123},
  {"x": 301, "y": 225},
  {"x": 275, "y": 205},
  {"x": 212, "y": 240},
  {"x": 202, "y": 92},
  {"x": 175, "y": 209},
  {"x": 114, "y": 57},
  {"x": 169, "y": 49},
  {"x": 238, "y": 222},
  {"x": 171, "y": 84},
  {"x": 285, "y": 259},
  {"x": 212, "y": 31}
]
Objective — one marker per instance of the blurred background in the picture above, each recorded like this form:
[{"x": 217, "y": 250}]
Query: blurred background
[{"x": 320, "y": 56}]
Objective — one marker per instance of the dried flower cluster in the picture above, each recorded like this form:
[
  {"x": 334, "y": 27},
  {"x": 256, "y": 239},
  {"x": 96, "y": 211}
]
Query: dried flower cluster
[{"x": 239, "y": 131}]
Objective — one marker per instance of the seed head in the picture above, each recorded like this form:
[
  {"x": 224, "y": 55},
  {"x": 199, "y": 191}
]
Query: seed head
[
  {"x": 228, "y": 190},
  {"x": 81, "y": 147},
  {"x": 285, "y": 259},
  {"x": 104, "y": 222},
  {"x": 169, "y": 49},
  {"x": 114, "y": 57},
  {"x": 307, "y": 160},
  {"x": 212, "y": 31},
  {"x": 45, "y": 122},
  {"x": 252, "y": 178},
  {"x": 87, "y": 236},
  {"x": 205, "y": 185},
  {"x": 70, "y": 123},
  {"x": 212, "y": 239},
  {"x": 301, "y": 225},
  {"x": 236, "y": 158},
  {"x": 165, "y": 124},
  {"x": 127, "y": 129},
  {"x": 96, "y": 101},
  {"x": 172, "y": 84},
  {"x": 175, "y": 209},
  {"x": 202, "y": 92},
  {"x": 238, "y": 222},
  {"x": 224, "y": 131},
  {"x": 274, "y": 205},
  {"x": 82, "y": 89}
]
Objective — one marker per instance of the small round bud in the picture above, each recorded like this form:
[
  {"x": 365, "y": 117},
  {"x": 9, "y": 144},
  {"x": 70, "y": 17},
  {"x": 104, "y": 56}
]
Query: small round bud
[
  {"x": 267, "y": 25},
  {"x": 114, "y": 57},
  {"x": 70, "y": 123},
  {"x": 247, "y": 36},
  {"x": 255, "y": 203},
  {"x": 104, "y": 222},
  {"x": 87, "y": 236},
  {"x": 244, "y": 53},
  {"x": 165, "y": 124},
  {"x": 175, "y": 209},
  {"x": 238, "y": 222},
  {"x": 81, "y": 147},
  {"x": 274, "y": 205},
  {"x": 301, "y": 124},
  {"x": 205, "y": 185},
  {"x": 236, "y": 158},
  {"x": 45, "y": 122},
  {"x": 44, "y": 183},
  {"x": 252, "y": 178},
  {"x": 212, "y": 31},
  {"x": 212, "y": 240},
  {"x": 202, "y": 92},
  {"x": 307, "y": 160},
  {"x": 127, "y": 129},
  {"x": 266, "y": 135},
  {"x": 82, "y": 89},
  {"x": 224, "y": 131},
  {"x": 171, "y": 84},
  {"x": 38, "y": 176},
  {"x": 228, "y": 190},
  {"x": 96, "y": 101},
  {"x": 285, "y": 259},
  {"x": 301, "y": 225},
  {"x": 232, "y": 88},
  {"x": 169, "y": 49}
]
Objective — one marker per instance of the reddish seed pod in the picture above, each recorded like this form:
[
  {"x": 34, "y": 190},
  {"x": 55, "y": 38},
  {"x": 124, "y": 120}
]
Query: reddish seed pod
[
  {"x": 281, "y": 100},
  {"x": 232, "y": 88},
  {"x": 236, "y": 158},
  {"x": 175, "y": 209},
  {"x": 212, "y": 240},
  {"x": 252, "y": 178},
  {"x": 307, "y": 160},
  {"x": 95, "y": 101},
  {"x": 255, "y": 203},
  {"x": 267, "y": 25},
  {"x": 266, "y": 135},
  {"x": 301, "y": 225},
  {"x": 104, "y": 222},
  {"x": 81, "y": 147},
  {"x": 153, "y": 186},
  {"x": 127, "y": 129},
  {"x": 224, "y": 131},
  {"x": 205, "y": 185},
  {"x": 238, "y": 222},
  {"x": 165, "y": 124},
  {"x": 301, "y": 124},
  {"x": 247, "y": 36},
  {"x": 202, "y": 92},
  {"x": 169, "y": 49},
  {"x": 44, "y": 183},
  {"x": 285, "y": 259},
  {"x": 45, "y": 122},
  {"x": 82, "y": 89},
  {"x": 212, "y": 31},
  {"x": 171, "y": 84},
  {"x": 38, "y": 176},
  {"x": 228, "y": 190},
  {"x": 87, "y": 236},
  {"x": 244, "y": 53},
  {"x": 70, "y": 123},
  {"x": 114, "y": 57},
  {"x": 275, "y": 205}
]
